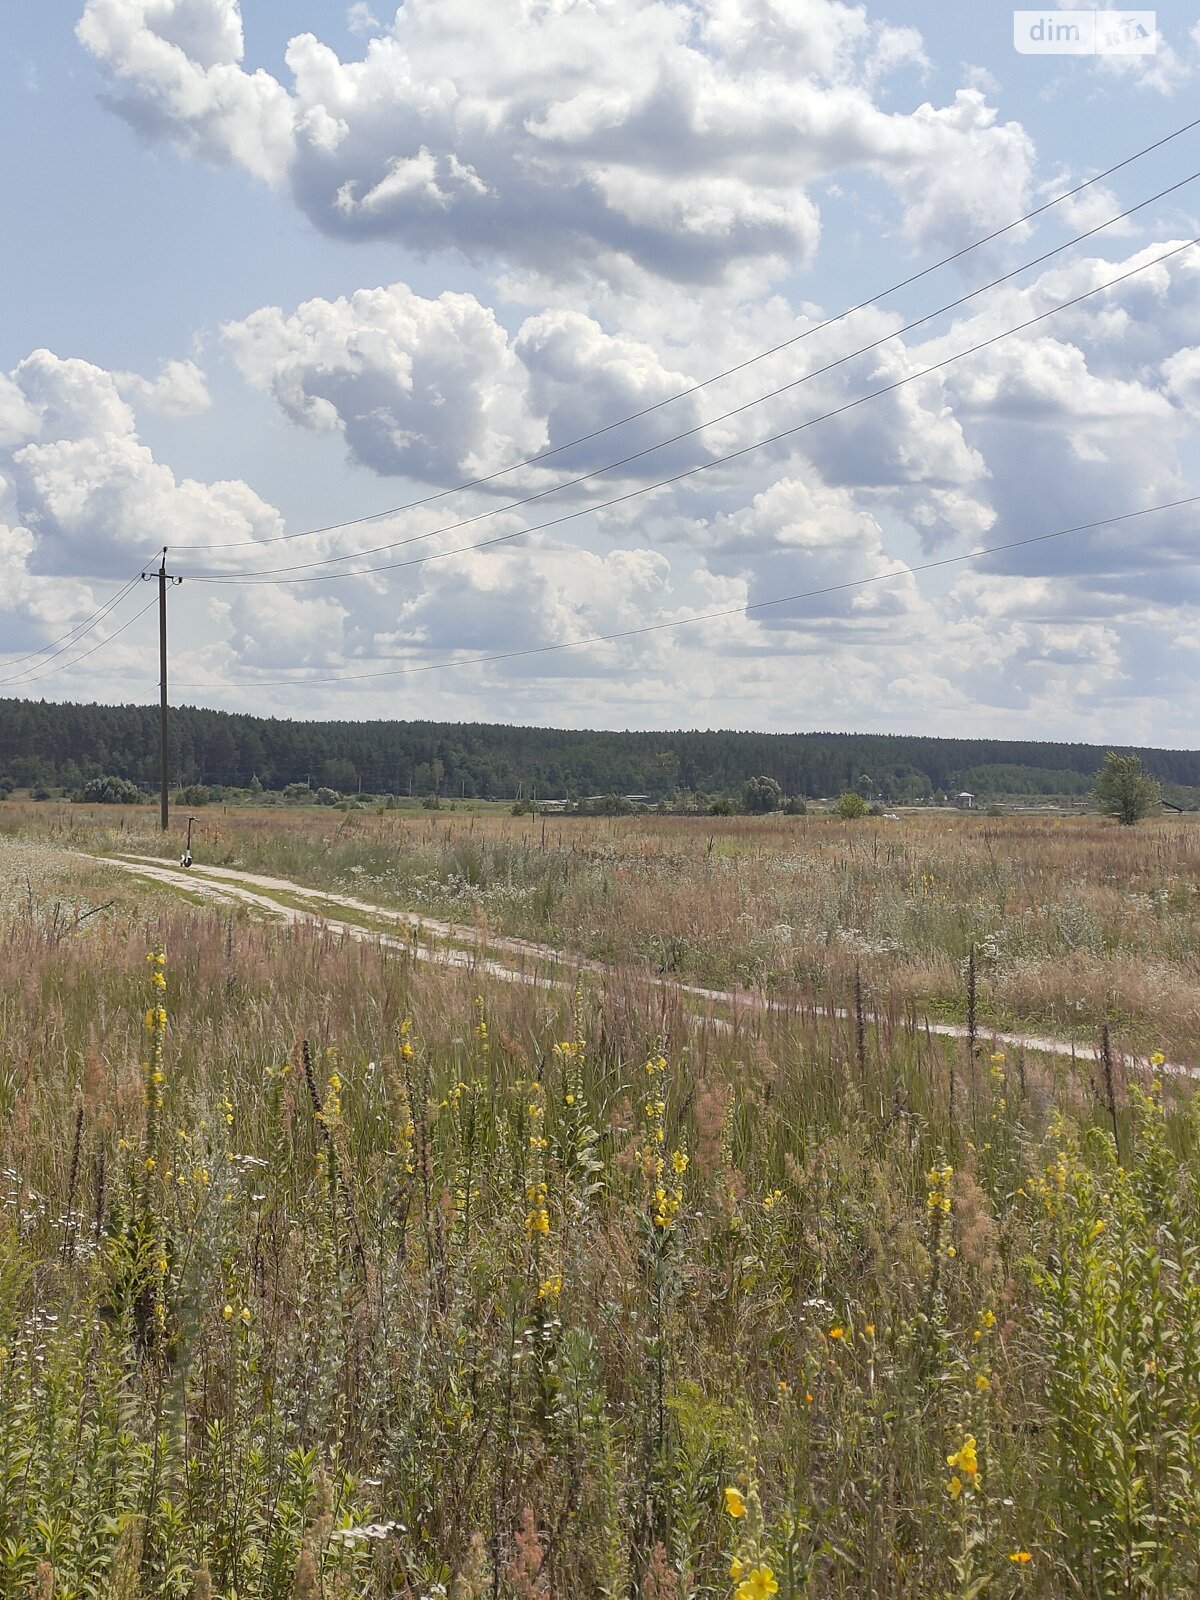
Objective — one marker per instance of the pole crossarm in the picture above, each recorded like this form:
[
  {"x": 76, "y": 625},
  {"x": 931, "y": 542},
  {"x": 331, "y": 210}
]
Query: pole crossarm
[{"x": 165, "y": 578}]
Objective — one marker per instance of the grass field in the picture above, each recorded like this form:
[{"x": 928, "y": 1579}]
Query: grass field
[{"x": 323, "y": 1272}]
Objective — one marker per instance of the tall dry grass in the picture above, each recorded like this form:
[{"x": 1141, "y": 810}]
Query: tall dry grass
[
  {"x": 323, "y": 1272},
  {"x": 1075, "y": 922}
]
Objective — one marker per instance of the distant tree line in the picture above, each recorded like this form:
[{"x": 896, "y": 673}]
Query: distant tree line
[{"x": 66, "y": 746}]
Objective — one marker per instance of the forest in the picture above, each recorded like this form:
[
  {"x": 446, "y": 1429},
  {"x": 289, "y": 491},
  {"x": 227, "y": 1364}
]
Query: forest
[{"x": 45, "y": 744}]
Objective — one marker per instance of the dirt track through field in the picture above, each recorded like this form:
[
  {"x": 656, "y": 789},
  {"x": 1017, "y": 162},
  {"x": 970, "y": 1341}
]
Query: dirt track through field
[{"x": 449, "y": 944}]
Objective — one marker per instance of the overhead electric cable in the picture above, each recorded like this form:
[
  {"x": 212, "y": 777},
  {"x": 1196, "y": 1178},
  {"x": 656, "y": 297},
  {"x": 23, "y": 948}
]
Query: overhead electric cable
[
  {"x": 252, "y": 579},
  {"x": 705, "y": 616},
  {"x": 688, "y": 433},
  {"x": 728, "y": 372},
  {"x": 79, "y": 631},
  {"x": 68, "y": 665}
]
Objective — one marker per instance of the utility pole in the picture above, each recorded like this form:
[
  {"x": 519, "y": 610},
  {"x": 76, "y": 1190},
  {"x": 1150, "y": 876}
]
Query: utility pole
[{"x": 164, "y": 577}]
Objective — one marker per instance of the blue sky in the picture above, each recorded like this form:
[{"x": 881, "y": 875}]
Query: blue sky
[{"x": 264, "y": 276}]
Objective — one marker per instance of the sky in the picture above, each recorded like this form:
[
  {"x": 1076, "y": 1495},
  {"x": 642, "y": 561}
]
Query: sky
[{"x": 603, "y": 363}]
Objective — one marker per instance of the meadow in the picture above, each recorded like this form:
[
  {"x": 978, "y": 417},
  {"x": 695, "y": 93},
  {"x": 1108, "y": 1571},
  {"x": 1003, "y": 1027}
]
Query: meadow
[{"x": 325, "y": 1272}]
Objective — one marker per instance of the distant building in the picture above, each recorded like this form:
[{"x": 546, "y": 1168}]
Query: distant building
[{"x": 965, "y": 800}]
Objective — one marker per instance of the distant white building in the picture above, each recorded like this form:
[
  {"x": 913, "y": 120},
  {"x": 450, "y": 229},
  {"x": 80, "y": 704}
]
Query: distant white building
[{"x": 965, "y": 800}]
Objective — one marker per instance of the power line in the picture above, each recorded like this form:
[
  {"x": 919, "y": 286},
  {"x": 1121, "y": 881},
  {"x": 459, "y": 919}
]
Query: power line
[
  {"x": 107, "y": 640},
  {"x": 252, "y": 580},
  {"x": 688, "y": 433},
  {"x": 741, "y": 366},
  {"x": 79, "y": 631},
  {"x": 706, "y": 616}
]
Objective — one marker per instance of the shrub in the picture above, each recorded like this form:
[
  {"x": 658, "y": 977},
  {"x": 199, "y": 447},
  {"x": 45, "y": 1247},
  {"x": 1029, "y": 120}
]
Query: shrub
[
  {"x": 851, "y": 806},
  {"x": 110, "y": 791}
]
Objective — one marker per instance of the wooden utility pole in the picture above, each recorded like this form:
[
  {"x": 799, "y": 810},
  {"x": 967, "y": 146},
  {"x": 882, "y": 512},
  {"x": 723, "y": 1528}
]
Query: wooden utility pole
[{"x": 164, "y": 578}]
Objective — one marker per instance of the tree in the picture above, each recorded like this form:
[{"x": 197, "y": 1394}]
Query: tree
[
  {"x": 760, "y": 795},
  {"x": 1125, "y": 790},
  {"x": 851, "y": 806}
]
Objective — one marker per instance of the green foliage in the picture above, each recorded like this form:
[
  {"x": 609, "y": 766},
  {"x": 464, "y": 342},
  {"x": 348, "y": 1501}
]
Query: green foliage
[
  {"x": 760, "y": 795},
  {"x": 1124, "y": 789},
  {"x": 851, "y": 806},
  {"x": 65, "y": 744},
  {"x": 111, "y": 791}
]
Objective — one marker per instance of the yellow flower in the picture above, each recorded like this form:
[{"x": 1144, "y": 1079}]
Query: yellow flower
[
  {"x": 1021, "y": 1557},
  {"x": 758, "y": 1584},
  {"x": 954, "y": 1487},
  {"x": 988, "y": 1319},
  {"x": 227, "y": 1313},
  {"x": 983, "y": 1384},
  {"x": 869, "y": 1330},
  {"x": 736, "y": 1568},
  {"x": 1156, "y": 1060},
  {"x": 734, "y": 1504},
  {"x": 964, "y": 1458},
  {"x": 836, "y": 1333},
  {"x": 1097, "y": 1226},
  {"x": 245, "y": 1314},
  {"x": 679, "y": 1161}
]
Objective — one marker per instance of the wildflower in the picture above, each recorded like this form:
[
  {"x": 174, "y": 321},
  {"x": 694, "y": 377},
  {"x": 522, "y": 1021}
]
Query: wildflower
[
  {"x": 955, "y": 1487},
  {"x": 1157, "y": 1060},
  {"x": 938, "y": 1190},
  {"x": 735, "y": 1505},
  {"x": 758, "y": 1584},
  {"x": 964, "y": 1458},
  {"x": 997, "y": 1058},
  {"x": 227, "y": 1312},
  {"x": 679, "y": 1161},
  {"x": 836, "y": 1333},
  {"x": 1020, "y": 1557},
  {"x": 808, "y": 1399},
  {"x": 988, "y": 1319},
  {"x": 869, "y": 1330},
  {"x": 1097, "y": 1226},
  {"x": 736, "y": 1568},
  {"x": 245, "y": 1315},
  {"x": 982, "y": 1383},
  {"x": 151, "y": 1163},
  {"x": 951, "y": 1252},
  {"x": 570, "y": 1099}
]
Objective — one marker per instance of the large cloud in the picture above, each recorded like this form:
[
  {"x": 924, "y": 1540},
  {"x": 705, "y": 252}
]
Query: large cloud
[
  {"x": 88, "y": 494},
  {"x": 583, "y": 134}
]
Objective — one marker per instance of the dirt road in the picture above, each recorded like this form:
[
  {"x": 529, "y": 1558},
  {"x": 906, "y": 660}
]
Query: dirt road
[{"x": 525, "y": 961}]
